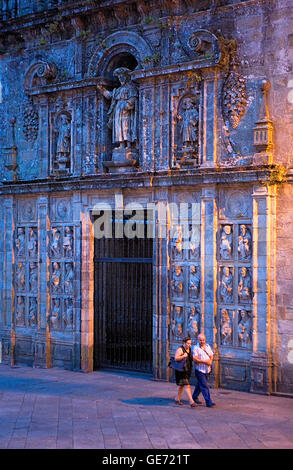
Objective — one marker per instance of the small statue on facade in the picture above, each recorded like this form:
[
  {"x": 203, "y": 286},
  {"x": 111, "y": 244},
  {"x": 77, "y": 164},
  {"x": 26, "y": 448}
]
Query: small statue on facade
[
  {"x": 177, "y": 323},
  {"x": 188, "y": 118},
  {"x": 20, "y": 242},
  {"x": 20, "y": 311},
  {"x": 194, "y": 282},
  {"x": 68, "y": 314},
  {"x": 32, "y": 315},
  {"x": 68, "y": 242},
  {"x": 32, "y": 242},
  {"x": 193, "y": 322},
  {"x": 244, "y": 286},
  {"x": 244, "y": 329},
  {"x": 226, "y": 328},
  {"x": 177, "y": 280},
  {"x": 63, "y": 146},
  {"x": 122, "y": 114},
  {"x": 226, "y": 285},
  {"x": 226, "y": 242},
  {"x": 33, "y": 277},
  {"x": 20, "y": 277},
  {"x": 55, "y": 315},
  {"x": 244, "y": 242},
  {"x": 69, "y": 277},
  {"x": 56, "y": 242},
  {"x": 56, "y": 278}
]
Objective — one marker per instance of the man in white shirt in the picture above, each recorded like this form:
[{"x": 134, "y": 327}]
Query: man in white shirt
[{"x": 203, "y": 358}]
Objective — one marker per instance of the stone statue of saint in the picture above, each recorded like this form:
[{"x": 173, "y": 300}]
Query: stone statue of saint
[
  {"x": 244, "y": 329},
  {"x": 56, "y": 242},
  {"x": 226, "y": 242},
  {"x": 68, "y": 314},
  {"x": 56, "y": 277},
  {"x": 244, "y": 242},
  {"x": 64, "y": 138},
  {"x": 122, "y": 115},
  {"x": 194, "y": 282},
  {"x": 244, "y": 286},
  {"x": 189, "y": 123},
  {"x": 226, "y": 286}
]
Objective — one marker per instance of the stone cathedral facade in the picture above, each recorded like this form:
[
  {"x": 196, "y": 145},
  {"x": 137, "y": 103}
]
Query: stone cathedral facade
[{"x": 167, "y": 104}]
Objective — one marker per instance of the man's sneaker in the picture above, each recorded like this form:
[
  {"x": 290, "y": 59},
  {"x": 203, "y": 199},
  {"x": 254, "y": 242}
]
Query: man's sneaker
[{"x": 211, "y": 405}]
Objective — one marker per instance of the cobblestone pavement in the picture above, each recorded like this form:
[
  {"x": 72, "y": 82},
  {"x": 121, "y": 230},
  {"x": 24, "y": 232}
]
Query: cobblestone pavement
[{"x": 58, "y": 409}]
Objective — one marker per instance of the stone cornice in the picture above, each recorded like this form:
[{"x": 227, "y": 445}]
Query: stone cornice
[{"x": 170, "y": 179}]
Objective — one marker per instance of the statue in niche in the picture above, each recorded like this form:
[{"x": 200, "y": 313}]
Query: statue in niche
[
  {"x": 193, "y": 322},
  {"x": 55, "y": 315},
  {"x": 177, "y": 249},
  {"x": 56, "y": 278},
  {"x": 20, "y": 277},
  {"x": 244, "y": 329},
  {"x": 56, "y": 242},
  {"x": 68, "y": 314},
  {"x": 20, "y": 311},
  {"x": 20, "y": 242},
  {"x": 32, "y": 315},
  {"x": 188, "y": 118},
  {"x": 226, "y": 242},
  {"x": 122, "y": 114},
  {"x": 177, "y": 280},
  {"x": 63, "y": 145},
  {"x": 244, "y": 286},
  {"x": 226, "y": 285},
  {"x": 244, "y": 242},
  {"x": 177, "y": 322},
  {"x": 33, "y": 277},
  {"x": 32, "y": 242},
  {"x": 68, "y": 242},
  {"x": 194, "y": 282},
  {"x": 226, "y": 328},
  {"x": 69, "y": 277}
]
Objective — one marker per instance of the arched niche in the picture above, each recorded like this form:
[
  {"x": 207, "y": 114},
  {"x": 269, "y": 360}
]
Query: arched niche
[{"x": 120, "y": 49}]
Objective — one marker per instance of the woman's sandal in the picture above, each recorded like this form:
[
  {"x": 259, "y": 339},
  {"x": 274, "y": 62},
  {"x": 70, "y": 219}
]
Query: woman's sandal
[
  {"x": 178, "y": 402},
  {"x": 193, "y": 405}
]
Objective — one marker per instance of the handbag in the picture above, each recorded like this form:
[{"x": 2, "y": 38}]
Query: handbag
[{"x": 177, "y": 365}]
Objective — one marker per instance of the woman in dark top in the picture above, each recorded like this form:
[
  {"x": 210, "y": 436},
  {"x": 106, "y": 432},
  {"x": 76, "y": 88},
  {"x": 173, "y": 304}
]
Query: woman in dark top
[{"x": 182, "y": 377}]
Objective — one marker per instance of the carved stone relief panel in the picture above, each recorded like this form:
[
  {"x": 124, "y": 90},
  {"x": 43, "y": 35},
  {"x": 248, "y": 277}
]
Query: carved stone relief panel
[
  {"x": 235, "y": 271},
  {"x": 62, "y": 276}
]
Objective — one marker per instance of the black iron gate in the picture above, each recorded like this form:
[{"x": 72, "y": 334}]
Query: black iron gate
[{"x": 124, "y": 297}]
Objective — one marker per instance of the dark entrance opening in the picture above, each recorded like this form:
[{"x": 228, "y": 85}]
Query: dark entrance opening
[{"x": 124, "y": 294}]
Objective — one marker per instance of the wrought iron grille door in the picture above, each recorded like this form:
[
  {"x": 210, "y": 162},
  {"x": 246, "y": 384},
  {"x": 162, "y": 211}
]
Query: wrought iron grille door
[{"x": 124, "y": 298}]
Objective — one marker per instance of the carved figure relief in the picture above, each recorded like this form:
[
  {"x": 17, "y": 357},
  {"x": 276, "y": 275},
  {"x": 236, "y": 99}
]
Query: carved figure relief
[
  {"x": 226, "y": 285},
  {"x": 122, "y": 115},
  {"x": 226, "y": 242},
  {"x": 188, "y": 117},
  {"x": 68, "y": 314},
  {"x": 194, "y": 282},
  {"x": 244, "y": 329},
  {"x": 194, "y": 242},
  {"x": 177, "y": 244},
  {"x": 226, "y": 329},
  {"x": 20, "y": 242},
  {"x": 177, "y": 281},
  {"x": 68, "y": 242},
  {"x": 55, "y": 313},
  {"x": 193, "y": 322},
  {"x": 244, "y": 242},
  {"x": 33, "y": 308},
  {"x": 55, "y": 242},
  {"x": 177, "y": 321},
  {"x": 62, "y": 160},
  {"x": 32, "y": 242},
  {"x": 68, "y": 278},
  {"x": 20, "y": 311},
  {"x": 244, "y": 286},
  {"x": 20, "y": 277},
  {"x": 33, "y": 277},
  {"x": 56, "y": 277}
]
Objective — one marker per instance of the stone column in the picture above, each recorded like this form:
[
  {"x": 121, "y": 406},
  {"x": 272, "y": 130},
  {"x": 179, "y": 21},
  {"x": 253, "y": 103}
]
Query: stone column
[
  {"x": 209, "y": 269},
  {"x": 161, "y": 287},
  {"x": 87, "y": 289},
  {"x": 263, "y": 230},
  {"x": 42, "y": 338}
]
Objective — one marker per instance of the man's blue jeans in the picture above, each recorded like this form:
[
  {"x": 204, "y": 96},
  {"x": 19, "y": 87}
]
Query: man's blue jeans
[{"x": 202, "y": 386}]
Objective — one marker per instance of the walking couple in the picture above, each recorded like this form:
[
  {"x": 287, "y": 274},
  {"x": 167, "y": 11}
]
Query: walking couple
[{"x": 202, "y": 356}]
